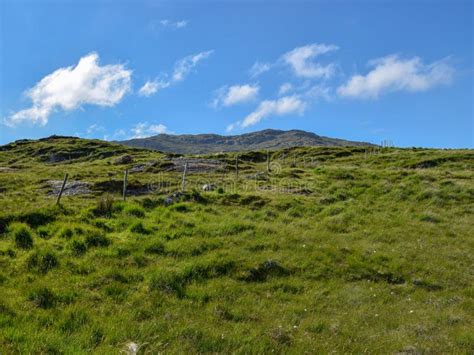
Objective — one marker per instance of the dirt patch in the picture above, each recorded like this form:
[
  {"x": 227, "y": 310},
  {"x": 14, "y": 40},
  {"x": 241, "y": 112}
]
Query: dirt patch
[
  {"x": 195, "y": 165},
  {"x": 7, "y": 170},
  {"x": 72, "y": 188},
  {"x": 116, "y": 186}
]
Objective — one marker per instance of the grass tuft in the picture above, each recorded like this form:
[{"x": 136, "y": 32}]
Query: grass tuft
[{"x": 22, "y": 235}]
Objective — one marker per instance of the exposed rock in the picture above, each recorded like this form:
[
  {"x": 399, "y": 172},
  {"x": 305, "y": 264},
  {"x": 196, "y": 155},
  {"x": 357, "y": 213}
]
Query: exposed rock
[
  {"x": 116, "y": 186},
  {"x": 175, "y": 197},
  {"x": 208, "y": 187},
  {"x": 131, "y": 348},
  {"x": 124, "y": 159},
  {"x": 72, "y": 187},
  {"x": 138, "y": 168},
  {"x": 195, "y": 164}
]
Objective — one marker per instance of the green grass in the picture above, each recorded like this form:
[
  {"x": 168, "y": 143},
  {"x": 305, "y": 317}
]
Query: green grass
[{"x": 335, "y": 250}]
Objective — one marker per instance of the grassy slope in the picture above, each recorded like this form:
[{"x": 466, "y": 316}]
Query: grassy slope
[{"x": 376, "y": 257}]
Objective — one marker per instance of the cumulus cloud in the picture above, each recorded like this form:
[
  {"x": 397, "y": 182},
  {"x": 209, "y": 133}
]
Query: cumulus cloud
[
  {"x": 393, "y": 73},
  {"x": 70, "y": 88},
  {"x": 259, "y": 68},
  {"x": 236, "y": 94},
  {"x": 144, "y": 129},
  {"x": 174, "y": 24},
  {"x": 182, "y": 68},
  {"x": 301, "y": 60},
  {"x": 283, "y": 106}
]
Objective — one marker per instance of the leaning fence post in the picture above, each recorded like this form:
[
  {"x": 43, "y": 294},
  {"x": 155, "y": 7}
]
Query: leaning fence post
[
  {"x": 62, "y": 189},
  {"x": 125, "y": 180},
  {"x": 183, "y": 182}
]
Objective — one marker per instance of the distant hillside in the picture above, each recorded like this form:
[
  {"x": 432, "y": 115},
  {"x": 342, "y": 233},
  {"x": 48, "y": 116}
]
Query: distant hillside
[{"x": 209, "y": 143}]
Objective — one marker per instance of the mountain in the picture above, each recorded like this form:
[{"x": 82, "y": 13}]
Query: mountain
[{"x": 212, "y": 143}]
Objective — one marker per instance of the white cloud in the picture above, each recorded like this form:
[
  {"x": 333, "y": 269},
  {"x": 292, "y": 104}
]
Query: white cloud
[
  {"x": 236, "y": 94},
  {"x": 69, "y": 88},
  {"x": 232, "y": 126},
  {"x": 301, "y": 61},
  {"x": 144, "y": 129},
  {"x": 259, "y": 68},
  {"x": 174, "y": 24},
  {"x": 319, "y": 91},
  {"x": 392, "y": 73},
  {"x": 283, "y": 106},
  {"x": 182, "y": 68},
  {"x": 95, "y": 128},
  {"x": 118, "y": 134},
  {"x": 152, "y": 86},
  {"x": 285, "y": 88}
]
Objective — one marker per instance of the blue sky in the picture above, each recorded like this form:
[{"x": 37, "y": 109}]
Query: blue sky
[{"x": 360, "y": 70}]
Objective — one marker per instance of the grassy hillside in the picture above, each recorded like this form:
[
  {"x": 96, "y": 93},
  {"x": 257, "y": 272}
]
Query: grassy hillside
[
  {"x": 212, "y": 143},
  {"x": 334, "y": 250}
]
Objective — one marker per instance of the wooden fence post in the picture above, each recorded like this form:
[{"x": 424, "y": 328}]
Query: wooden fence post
[
  {"x": 125, "y": 180},
  {"x": 183, "y": 182},
  {"x": 236, "y": 166},
  {"x": 268, "y": 162},
  {"x": 62, "y": 189}
]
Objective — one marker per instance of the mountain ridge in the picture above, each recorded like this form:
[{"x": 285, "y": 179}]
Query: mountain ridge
[{"x": 215, "y": 143}]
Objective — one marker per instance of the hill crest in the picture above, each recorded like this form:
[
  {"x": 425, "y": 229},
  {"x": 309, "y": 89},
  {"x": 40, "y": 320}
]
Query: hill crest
[{"x": 213, "y": 143}]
